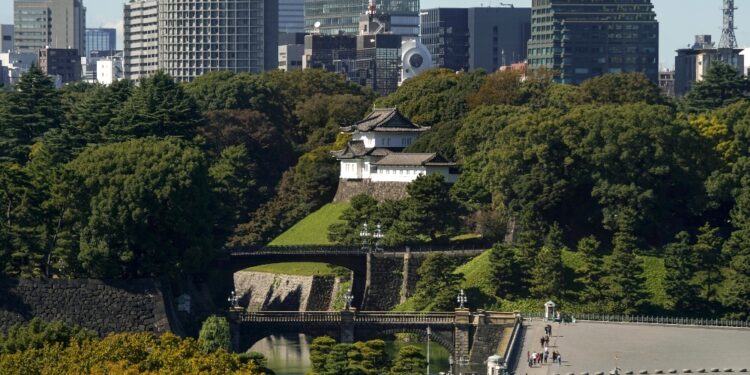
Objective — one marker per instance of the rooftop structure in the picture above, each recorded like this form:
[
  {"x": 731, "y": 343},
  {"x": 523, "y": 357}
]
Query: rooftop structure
[
  {"x": 581, "y": 39},
  {"x": 691, "y": 64}
]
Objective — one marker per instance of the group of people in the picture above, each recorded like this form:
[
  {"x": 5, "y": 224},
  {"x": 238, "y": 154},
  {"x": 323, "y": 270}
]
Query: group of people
[{"x": 543, "y": 357}]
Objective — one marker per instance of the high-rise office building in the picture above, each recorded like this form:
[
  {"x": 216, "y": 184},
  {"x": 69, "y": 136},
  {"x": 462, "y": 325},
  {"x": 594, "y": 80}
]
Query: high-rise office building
[
  {"x": 291, "y": 16},
  {"x": 342, "y": 16},
  {"x": 498, "y": 37},
  {"x": 141, "y": 39},
  {"x": 58, "y": 24},
  {"x": 445, "y": 33},
  {"x": 199, "y": 36},
  {"x": 100, "y": 40},
  {"x": 6, "y": 38},
  {"x": 580, "y": 39}
]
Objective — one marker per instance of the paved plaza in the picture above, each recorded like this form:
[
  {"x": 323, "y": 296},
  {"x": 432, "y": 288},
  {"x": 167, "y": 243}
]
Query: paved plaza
[{"x": 598, "y": 347}]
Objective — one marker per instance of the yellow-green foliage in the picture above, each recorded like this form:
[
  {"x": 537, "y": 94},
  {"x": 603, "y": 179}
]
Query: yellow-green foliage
[
  {"x": 313, "y": 229},
  {"x": 125, "y": 353}
]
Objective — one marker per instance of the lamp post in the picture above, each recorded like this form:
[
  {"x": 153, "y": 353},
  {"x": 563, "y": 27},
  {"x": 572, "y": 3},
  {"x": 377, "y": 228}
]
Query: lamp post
[
  {"x": 428, "y": 350},
  {"x": 462, "y": 299},
  {"x": 365, "y": 234},
  {"x": 450, "y": 364},
  {"x": 348, "y": 298},
  {"x": 378, "y": 236},
  {"x": 233, "y": 300}
]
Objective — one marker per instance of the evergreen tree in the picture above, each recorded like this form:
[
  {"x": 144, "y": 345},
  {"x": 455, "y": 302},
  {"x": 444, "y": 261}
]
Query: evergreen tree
[
  {"x": 362, "y": 211},
  {"x": 680, "y": 265},
  {"x": 438, "y": 286},
  {"x": 158, "y": 107},
  {"x": 214, "y": 335},
  {"x": 624, "y": 285},
  {"x": 721, "y": 85},
  {"x": 506, "y": 273},
  {"x": 592, "y": 271},
  {"x": 28, "y": 112},
  {"x": 547, "y": 275},
  {"x": 319, "y": 350},
  {"x": 708, "y": 263},
  {"x": 409, "y": 361},
  {"x": 735, "y": 296},
  {"x": 429, "y": 210}
]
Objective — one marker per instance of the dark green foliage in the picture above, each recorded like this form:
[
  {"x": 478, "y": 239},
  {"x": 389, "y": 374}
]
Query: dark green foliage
[
  {"x": 624, "y": 285},
  {"x": 38, "y": 333},
  {"x": 26, "y": 113},
  {"x": 409, "y": 361},
  {"x": 440, "y": 139},
  {"x": 132, "y": 208},
  {"x": 158, "y": 107},
  {"x": 362, "y": 210},
  {"x": 735, "y": 295},
  {"x": 621, "y": 88},
  {"x": 722, "y": 85},
  {"x": 361, "y": 358},
  {"x": 708, "y": 261},
  {"x": 681, "y": 264},
  {"x": 429, "y": 210},
  {"x": 506, "y": 272},
  {"x": 437, "y": 286},
  {"x": 547, "y": 274},
  {"x": 214, "y": 335},
  {"x": 592, "y": 271}
]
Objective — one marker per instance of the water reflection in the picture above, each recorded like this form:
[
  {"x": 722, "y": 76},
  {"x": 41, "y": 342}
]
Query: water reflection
[{"x": 290, "y": 354}]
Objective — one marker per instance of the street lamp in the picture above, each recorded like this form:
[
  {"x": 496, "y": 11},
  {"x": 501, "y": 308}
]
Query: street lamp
[
  {"x": 378, "y": 236},
  {"x": 450, "y": 364},
  {"x": 428, "y": 349},
  {"x": 348, "y": 298},
  {"x": 365, "y": 235},
  {"x": 462, "y": 299},
  {"x": 233, "y": 300}
]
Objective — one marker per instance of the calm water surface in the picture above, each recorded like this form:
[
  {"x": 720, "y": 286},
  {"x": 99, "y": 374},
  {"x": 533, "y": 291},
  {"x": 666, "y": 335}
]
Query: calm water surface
[{"x": 290, "y": 354}]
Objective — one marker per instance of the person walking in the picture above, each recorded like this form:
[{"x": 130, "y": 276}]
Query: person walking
[
  {"x": 559, "y": 359},
  {"x": 541, "y": 341}
]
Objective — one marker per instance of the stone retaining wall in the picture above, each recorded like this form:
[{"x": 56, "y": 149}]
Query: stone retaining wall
[
  {"x": 381, "y": 191},
  {"x": 260, "y": 291},
  {"x": 103, "y": 306}
]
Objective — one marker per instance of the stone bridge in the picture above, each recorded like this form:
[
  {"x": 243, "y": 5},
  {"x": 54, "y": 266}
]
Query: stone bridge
[
  {"x": 383, "y": 278},
  {"x": 469, "y": 337}
]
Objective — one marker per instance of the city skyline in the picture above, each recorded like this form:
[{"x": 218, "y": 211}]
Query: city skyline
[{"x": 680, "y": 20}]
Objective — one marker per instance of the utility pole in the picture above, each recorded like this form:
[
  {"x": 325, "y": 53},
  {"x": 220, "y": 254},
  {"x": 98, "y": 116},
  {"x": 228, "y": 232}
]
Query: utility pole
[{"x": 728, "y": 39}]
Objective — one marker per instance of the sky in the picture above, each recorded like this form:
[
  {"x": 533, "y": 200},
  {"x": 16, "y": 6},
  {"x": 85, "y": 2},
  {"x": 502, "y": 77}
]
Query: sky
[{"x": 680, "y": 20}]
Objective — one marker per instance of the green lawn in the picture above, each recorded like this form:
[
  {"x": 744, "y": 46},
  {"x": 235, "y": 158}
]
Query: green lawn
[
  {"x": 478, "y": 285},
  {"x": 313, "y": 229},
  {"x": 299, "y": 269}
]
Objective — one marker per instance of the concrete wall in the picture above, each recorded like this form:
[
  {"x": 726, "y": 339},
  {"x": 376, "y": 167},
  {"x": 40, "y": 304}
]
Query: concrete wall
[{"x": 103, "y": 306}]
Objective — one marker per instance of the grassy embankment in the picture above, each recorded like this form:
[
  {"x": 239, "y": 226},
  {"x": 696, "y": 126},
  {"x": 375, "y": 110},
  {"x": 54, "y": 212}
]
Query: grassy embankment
[{"x": 313, "y": 229}]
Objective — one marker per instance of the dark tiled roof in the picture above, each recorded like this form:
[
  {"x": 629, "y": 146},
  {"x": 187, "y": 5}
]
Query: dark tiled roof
[
  {"x": 401, "y": 158},
  {"x": 356, "y": 149},
  {"x": 385, "y": 120}
]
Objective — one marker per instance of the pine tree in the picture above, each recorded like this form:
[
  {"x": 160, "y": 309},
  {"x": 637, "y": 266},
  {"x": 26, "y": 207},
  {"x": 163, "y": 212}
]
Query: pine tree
[
  {"x": 735, "y": 294},
  {"x": 409, "y": 361},
  {"x": 28, "y": 112},
  {"x": 159, "y": 107},
  {"x": 592, "y": 272},
  {"x": 214, "y": 335},
  {"x": 721, "y": 85},
  {"x": 506, "y": 273},
  {"x": 625, "y": 284},
  {"x": 679, "y": 262},
  {"x": 708, "y": 259},
  {"x": 547, "y": 275}
]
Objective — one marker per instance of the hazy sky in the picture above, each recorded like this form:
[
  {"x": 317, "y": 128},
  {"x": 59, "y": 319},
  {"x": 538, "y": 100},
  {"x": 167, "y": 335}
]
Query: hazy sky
[{"x": 679, "y": 20}]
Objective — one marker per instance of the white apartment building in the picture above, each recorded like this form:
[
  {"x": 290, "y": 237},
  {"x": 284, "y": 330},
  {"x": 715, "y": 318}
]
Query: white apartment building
[
  {"x": 109, "y": 70},
  {"x": 141, "y": 42}
]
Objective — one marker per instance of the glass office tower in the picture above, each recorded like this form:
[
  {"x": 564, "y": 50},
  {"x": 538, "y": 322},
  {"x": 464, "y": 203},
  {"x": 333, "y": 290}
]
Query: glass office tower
[
  {"x": 580, "y": 39},
  {"x": 342, "y": 16},
  {"x": 100, "y": 40}
]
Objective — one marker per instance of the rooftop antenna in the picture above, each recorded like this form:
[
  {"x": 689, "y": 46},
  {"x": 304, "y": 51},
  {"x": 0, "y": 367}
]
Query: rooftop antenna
[{"x": 728, "y": 39}]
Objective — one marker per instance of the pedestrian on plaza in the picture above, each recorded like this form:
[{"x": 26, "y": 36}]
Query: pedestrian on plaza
[
  {"x": 546, "y": 356},
  {"x": 559, "y": 359},
  {"x": 549, "y": 327},
  {"x": 541, "y": 341}
]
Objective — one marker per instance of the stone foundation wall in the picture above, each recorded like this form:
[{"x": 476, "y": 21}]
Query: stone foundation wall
[
  {"x": 103, "y": 306},
  {"x": 381, "y": 191},
  {"x": 260, "y": 291}
]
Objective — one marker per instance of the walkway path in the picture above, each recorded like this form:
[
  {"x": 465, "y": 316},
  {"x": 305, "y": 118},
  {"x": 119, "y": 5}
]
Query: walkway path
[{"x": 594, "y": 347}]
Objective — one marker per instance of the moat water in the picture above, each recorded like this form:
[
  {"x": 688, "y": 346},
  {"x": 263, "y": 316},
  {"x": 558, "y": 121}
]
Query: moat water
[{"x": 290, "y": 354}]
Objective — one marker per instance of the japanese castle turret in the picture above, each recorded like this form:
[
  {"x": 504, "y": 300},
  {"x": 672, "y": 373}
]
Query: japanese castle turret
[{"x": 373, "y": 162}]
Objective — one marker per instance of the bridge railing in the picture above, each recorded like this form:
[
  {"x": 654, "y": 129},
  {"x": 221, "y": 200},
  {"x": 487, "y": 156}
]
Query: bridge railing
[
  {"x": 404, "y": 318},
  {"x": 289, "y": 316},
  {"x": 354, "y": 249},
  {"x": 644, "y": 319}
]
